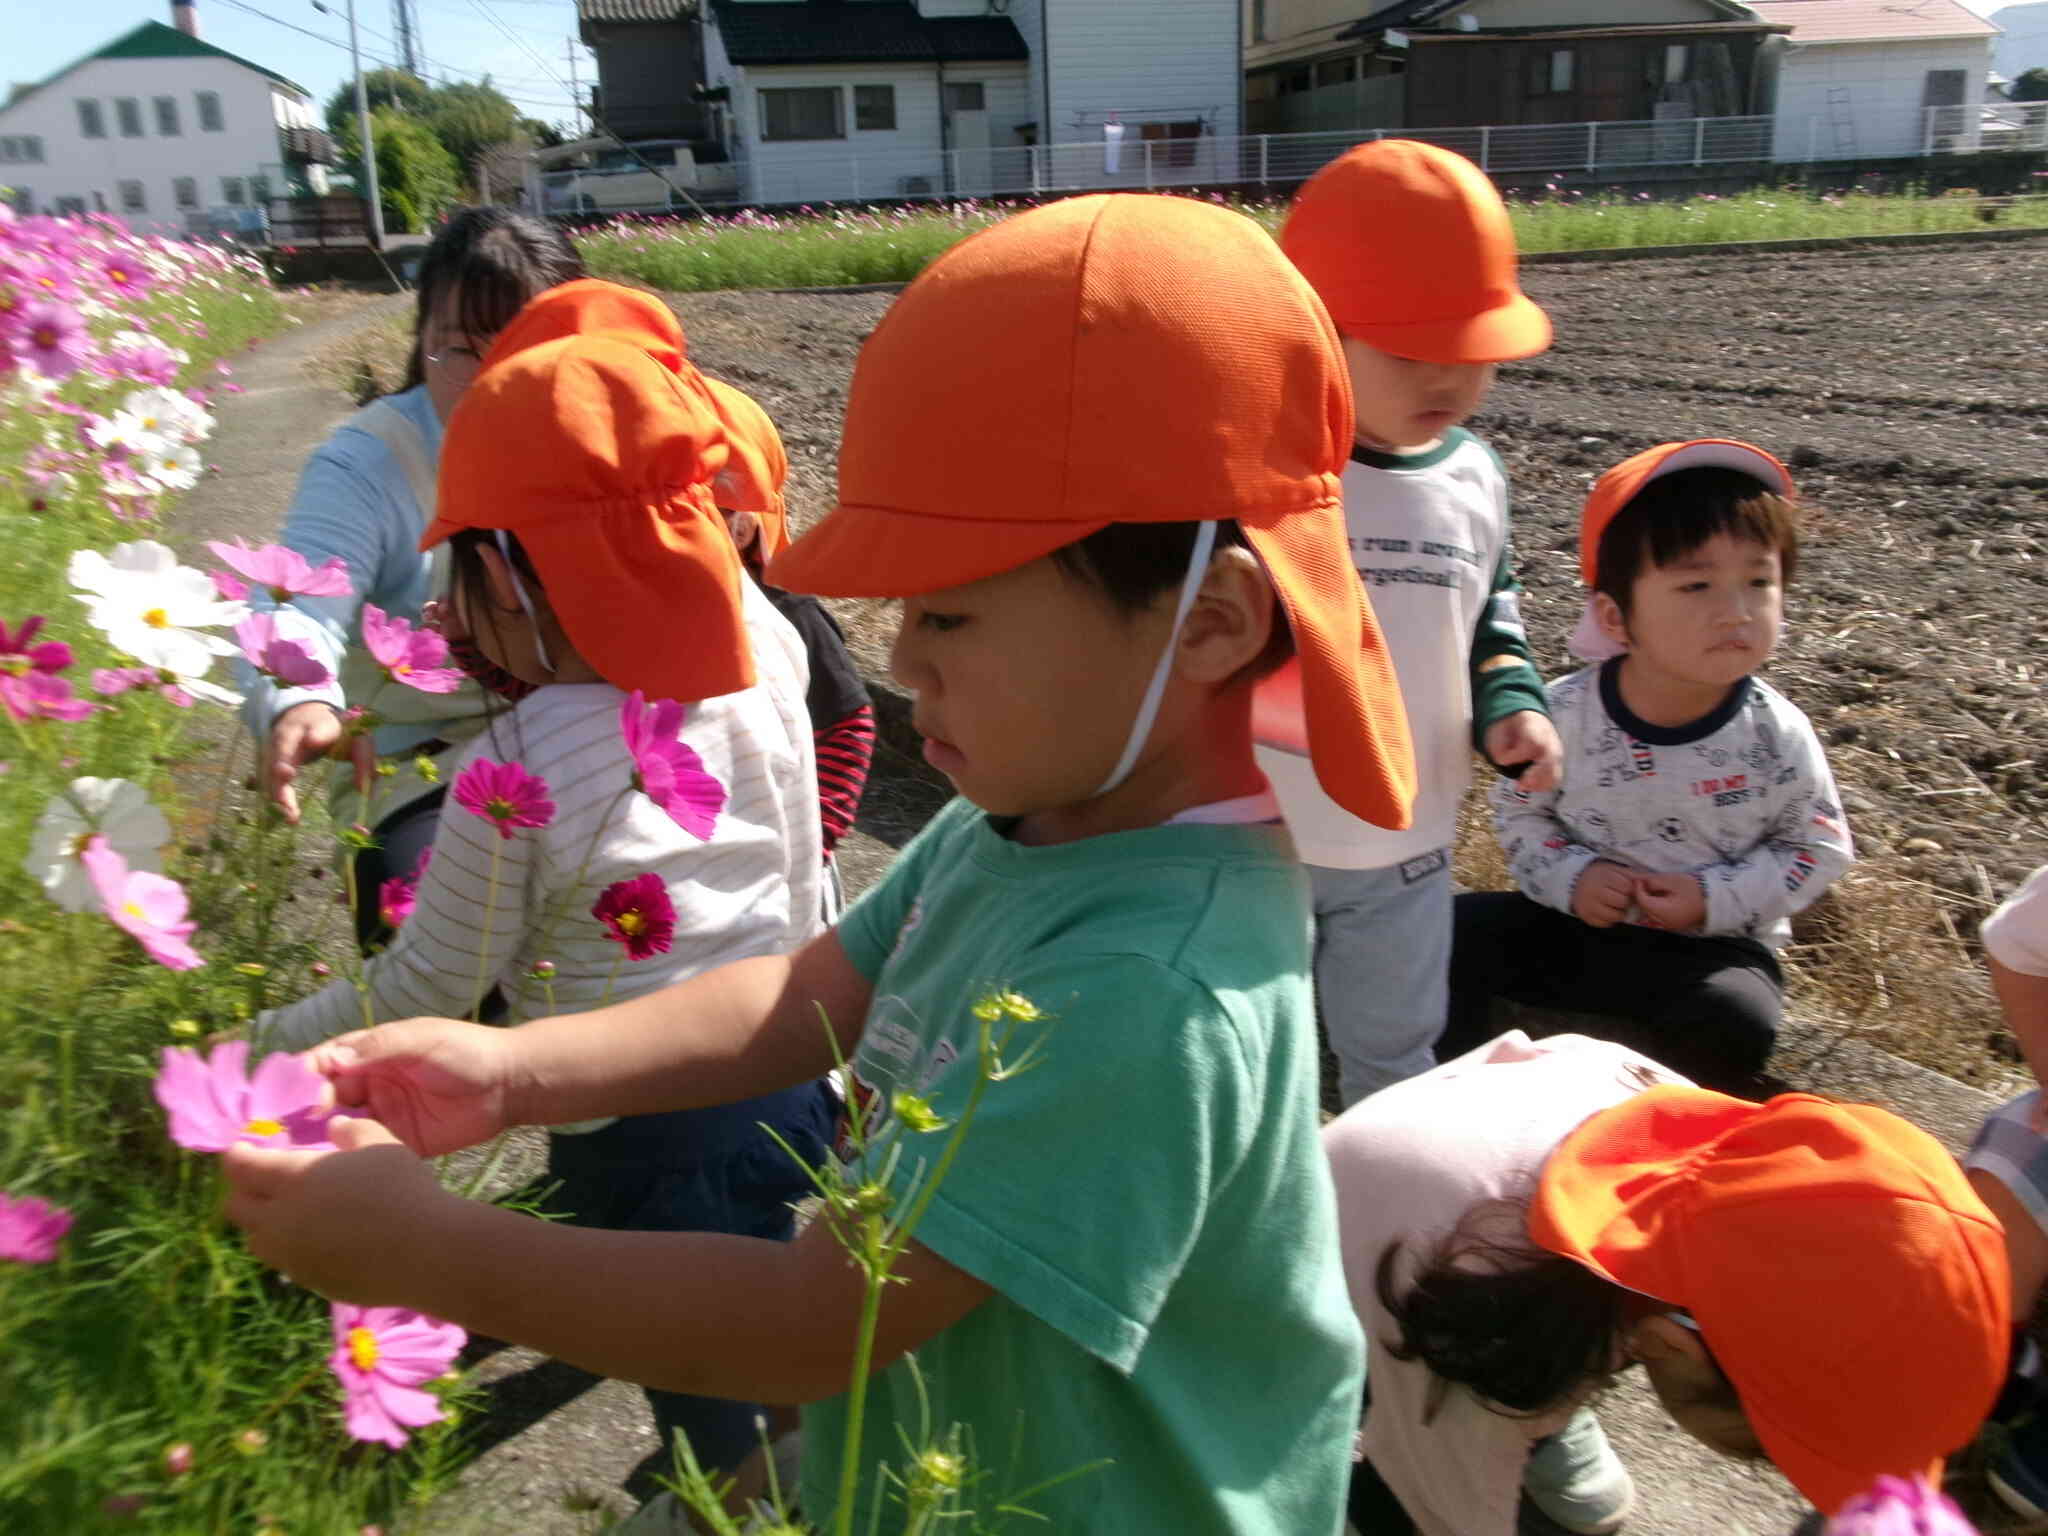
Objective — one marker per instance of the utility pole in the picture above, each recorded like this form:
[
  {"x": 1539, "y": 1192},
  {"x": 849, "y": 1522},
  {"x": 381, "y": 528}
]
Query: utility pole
[
  {"x": 355, "y": 63},
  {"x": 407, "y": 29},
  {"x": 575, "y": 89}
]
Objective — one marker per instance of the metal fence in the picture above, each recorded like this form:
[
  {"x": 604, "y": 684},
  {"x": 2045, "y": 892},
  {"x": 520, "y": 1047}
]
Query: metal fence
[{"x": 1990, "y": 125}]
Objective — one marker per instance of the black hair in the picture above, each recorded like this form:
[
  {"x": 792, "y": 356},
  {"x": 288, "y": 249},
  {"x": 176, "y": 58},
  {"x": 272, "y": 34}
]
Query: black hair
[
  {"x": 1676, "y": 513},
  {"x": 1133, "y": 564},
  {"x": 1524, "y": 1329},
  {"x": 495, "y": 260}
]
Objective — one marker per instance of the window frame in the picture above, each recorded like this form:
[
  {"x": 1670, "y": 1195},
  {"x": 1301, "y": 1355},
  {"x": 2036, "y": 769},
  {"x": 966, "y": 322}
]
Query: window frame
[
  {"x": 128, "y": 109},
  {"x": 1541, "y": 78},
  {"x": 201, "y": 100},
  {"x": 133, "y": 194},
  {"x": 233, "y": 192},
  {"x": 92, "y": 118},
  {"x": 859, "y": 108},
  {"x": 979, "y": 87},
  {"x": 836, "y": 92},
  {"x": 168, "y": 123},
  {"x": 185, "y": 193}
]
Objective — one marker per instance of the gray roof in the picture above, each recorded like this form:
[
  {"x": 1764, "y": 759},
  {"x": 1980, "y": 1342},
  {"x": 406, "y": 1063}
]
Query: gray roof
[
  {"x": 634, "y": 10},
  {"x": 867, "y": 32}
]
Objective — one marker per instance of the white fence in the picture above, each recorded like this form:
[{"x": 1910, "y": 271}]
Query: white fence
[{"x": 1588, "y": 149}]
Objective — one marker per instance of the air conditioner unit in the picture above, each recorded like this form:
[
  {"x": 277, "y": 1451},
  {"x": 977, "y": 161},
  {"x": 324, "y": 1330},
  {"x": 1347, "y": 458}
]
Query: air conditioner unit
[{"x": 914, "y": 186}]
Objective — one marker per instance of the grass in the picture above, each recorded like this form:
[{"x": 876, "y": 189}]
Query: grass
[{"x": 833, "y": 247}]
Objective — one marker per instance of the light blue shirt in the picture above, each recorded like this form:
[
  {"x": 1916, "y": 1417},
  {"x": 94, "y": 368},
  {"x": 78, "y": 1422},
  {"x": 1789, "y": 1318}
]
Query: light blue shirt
[{"x": 354, "y": 501}]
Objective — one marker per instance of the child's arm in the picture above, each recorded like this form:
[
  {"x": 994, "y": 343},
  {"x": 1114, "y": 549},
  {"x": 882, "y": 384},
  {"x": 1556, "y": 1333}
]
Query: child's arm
[
  {"x": 1549, "y": 864},
  {"x": 1510, "y": 715},
  {"x": 2016, "y": 949},
  {"x": 1806, "y": 848},
  {"x": 844, "y": 749},
  {"x": 705, "y": 1313}
]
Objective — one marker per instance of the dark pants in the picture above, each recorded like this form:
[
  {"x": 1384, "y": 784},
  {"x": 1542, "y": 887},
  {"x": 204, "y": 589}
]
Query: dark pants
[
  {"x": 697, "y": 1170},
  {"x": 402, "y": 837},
  {"x": 1706, "y": 1007}
]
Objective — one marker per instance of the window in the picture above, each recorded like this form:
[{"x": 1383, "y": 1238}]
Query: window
[
  {"x": 185, "y": 191},
  {"x": 259, "y": 189},
  {"x": 1294, "y": 82},
  {"x": 73, "y": 204},
  {"x": 10, "y": 151},
  {"x": 167, "y": 116},
  {"x": 33, "y": 151},
  {"x": 1336, "y": 72},
  {"x": 209, "y": 112},
  {"x": 810, "y": 112},
  {"x": 874, "y": 108},
  {"x": 1178, "y": 148},
  {"x": 128, "y": 111},
  {"x": 231, "y": 191},
  {"x": 1550, "y": 72},
  {"x": 91, "y": 122},
  {"x": 966, "y": 96},
  {"x": 132, "y": 200}
]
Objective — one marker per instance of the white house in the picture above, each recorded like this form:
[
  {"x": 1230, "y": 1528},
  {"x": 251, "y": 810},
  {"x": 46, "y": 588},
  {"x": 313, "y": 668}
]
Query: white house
[
  {"x": 864, "y": 99},
  {"x": 1875, "y": 79},
  {"x": 164, "y": 131}
]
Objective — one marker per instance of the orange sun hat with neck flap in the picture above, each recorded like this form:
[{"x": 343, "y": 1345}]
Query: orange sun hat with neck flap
[
  {"x": 1118, "y": 359},
  {"x": 1843, "y": 1273},
  {"x": 590, "y": 437}
]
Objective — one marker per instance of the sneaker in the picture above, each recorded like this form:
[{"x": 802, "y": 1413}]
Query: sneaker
[
  {"x": 2020, "y": 1475},
  {"x": 1577, "y": 1481}
]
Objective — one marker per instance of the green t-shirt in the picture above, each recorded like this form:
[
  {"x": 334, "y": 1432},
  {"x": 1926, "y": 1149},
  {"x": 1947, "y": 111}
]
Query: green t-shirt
[{"x": 1150, "y": 1202}]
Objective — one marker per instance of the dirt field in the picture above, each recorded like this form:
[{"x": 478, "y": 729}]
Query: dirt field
[{"x": 1909, "y": 393}]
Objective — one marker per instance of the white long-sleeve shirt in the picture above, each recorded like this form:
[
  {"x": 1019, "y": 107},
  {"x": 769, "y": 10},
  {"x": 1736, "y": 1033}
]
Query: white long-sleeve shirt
[
  {"x": 750, "y": 889},
  {"x": 1742, "y": 798}
]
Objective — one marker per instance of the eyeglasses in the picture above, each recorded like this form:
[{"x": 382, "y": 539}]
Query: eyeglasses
[{"x": 456, "y": 354}]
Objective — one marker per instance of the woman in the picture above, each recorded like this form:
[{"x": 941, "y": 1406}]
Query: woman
[{"x": 365, "y": 497}]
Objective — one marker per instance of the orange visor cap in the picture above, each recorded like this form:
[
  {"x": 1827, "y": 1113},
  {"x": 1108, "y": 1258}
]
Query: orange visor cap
[
  {"x": 1843, "y": 1273},
  {"x": 1410, "y": 248},
  {"x": 600, "y": 460},
  {"x": 1118, "y": 358},
  {"x": 1621, "y": 484},
  {"x": 590, "y": 306},
  {"x": 757, "y": 467}
]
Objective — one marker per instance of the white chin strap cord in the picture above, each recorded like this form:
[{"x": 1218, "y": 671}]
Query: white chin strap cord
[
  {"x": 1141, "y": 728},
  {"x": 525, "y": 602}
]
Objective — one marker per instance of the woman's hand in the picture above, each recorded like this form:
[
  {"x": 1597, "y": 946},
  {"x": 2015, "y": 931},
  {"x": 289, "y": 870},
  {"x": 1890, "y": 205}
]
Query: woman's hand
[
  {"x": 303, "y": 734},
  {"x": 438, "y": 1085}
]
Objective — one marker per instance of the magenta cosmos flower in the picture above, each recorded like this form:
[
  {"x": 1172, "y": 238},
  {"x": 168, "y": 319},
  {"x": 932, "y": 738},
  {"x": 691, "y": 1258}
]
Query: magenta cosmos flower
[
  {"x": 285, "y": 572},
  {"x": 1897, "y": 1506},
  {"x": 147, "y": 907},
  {"x": 51, "y": 338},
  {"x": 667, "y": 771},
  {"x": 27, "y": 669},
  {"x": 638, "y": 914},
  {"x": 213, "y": 1102},
  {"x": 384, "y": 1355},
  {"x": 125, "y": 275},
  {"x": 30, "y": 1229},
  {"x": 505, "y": 795},
  {"x": 410, "y": 656},
  {"x": 289, "y": 661}
]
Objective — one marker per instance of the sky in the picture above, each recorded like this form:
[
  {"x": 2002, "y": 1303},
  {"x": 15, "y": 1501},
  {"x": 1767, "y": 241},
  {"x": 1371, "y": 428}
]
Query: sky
[{"x": 519, "y": 43}]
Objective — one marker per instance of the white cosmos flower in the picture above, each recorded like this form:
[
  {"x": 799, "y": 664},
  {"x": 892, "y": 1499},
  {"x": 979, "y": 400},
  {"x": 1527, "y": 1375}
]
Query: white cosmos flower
[
  {"x": 127, "y": 430},
  {"x": 153, "y": 608},
  {"x": 169, "y": 415},
  {"x": 116, "y": 809},
  {"x": 175, "y": 468}
]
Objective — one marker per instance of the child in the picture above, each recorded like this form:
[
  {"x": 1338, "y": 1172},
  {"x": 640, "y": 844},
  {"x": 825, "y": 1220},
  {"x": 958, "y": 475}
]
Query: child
[
  {"x": 1135, "y": 1238},
  {"x": 1409, "y": 248},
  {"x": 1808, "y": 1281},
  {"x": 1697, "y": 813},
  {"x": 587, "y": 560}
]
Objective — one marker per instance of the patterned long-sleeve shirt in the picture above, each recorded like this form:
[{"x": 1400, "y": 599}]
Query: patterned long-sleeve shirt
[{"x": 1741, "y": 798}]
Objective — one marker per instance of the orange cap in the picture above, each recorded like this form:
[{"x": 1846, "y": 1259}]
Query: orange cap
[
  {"x": 1118, "y": 358},
  {"x": 1410, "y": 248},
  {"x": 1620, "y": 485},
  {"x": 600, "y": 458},
  {"x": 1846, "y": 1277},
  {"x": 754, "y": 474}
]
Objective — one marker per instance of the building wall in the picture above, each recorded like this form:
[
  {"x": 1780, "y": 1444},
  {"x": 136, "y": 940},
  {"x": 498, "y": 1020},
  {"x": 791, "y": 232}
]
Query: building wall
[
  {"x": 1883, "y": 84},
  {"x": 1460, "y": 84},
  {"x": 1147, "y": 60},
  {"x": 253, "y": 108},
  {"x": 646, "y": 76}
]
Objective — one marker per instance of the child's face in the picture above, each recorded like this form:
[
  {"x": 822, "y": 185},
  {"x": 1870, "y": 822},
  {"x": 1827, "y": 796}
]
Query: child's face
[
  {"x": 1709, "y": 618},
  {"x": 1027, "y": 684},
  {"x": 1401, "y": 403},
  {"x": 1692, "y": 1389}
]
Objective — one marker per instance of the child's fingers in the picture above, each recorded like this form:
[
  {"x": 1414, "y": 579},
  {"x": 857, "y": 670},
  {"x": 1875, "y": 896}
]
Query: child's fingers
[{"x": 353, "y": 1132}]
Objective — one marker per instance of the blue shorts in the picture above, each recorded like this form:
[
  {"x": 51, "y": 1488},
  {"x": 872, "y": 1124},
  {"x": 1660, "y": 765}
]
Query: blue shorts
[{"x": 2014, "y": 1153}]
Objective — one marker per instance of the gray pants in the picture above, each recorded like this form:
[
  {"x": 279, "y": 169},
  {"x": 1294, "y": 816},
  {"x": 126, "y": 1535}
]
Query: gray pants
[{"x": 1383, "y": 965}]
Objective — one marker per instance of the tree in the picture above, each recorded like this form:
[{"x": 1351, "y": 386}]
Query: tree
[
  {"x": 546, "y": 135},
  {"x": 2032, "y": 85},
  {"x": 384, "y": 88},
  {"x": 469, "y": 119},
  {"x": 417, "y": 179}
]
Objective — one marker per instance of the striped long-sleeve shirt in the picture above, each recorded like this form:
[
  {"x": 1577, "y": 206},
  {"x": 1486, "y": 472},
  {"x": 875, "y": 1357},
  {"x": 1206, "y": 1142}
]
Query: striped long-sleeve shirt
[{"x": 487, "y": 909}]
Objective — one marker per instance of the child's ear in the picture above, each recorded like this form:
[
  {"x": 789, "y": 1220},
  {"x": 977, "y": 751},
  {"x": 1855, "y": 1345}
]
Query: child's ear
[
  {"x": 1661, "y": 1337},
  {"x": 498, "y": 577},
  {"x": 1231, "y": 620},
  {"x": 1612, "y": 621}
]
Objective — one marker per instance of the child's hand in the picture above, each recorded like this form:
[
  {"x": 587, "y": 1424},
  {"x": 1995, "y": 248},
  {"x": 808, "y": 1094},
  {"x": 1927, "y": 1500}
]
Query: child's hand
[
  {"x": 438, "y": 1084},
  {"x": 1603, "y": 895},
  {"x": 333, "y": 1220},
  {"x": 1527, "y": 737},
  {"x": 1676, "y": 902}
]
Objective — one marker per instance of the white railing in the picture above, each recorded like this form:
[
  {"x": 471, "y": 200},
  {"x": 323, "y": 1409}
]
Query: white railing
[{"x": 1988, "y": 125}]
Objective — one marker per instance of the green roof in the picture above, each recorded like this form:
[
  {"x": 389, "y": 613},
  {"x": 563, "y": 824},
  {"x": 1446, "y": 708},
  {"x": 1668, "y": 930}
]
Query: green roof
[{"x": 155, "y": 40}]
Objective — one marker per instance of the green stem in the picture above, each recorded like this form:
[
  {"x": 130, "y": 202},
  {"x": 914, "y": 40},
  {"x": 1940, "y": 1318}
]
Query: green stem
[
  {"x": 557, "y": 907},
  {"x": 618, "y": 962},
  {"x": 857, "y": 1391},
  {"x": 483, "y": 957}
]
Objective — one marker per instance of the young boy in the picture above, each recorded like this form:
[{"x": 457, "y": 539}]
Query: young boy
[
  {"x": 1808, "y": 1281},
  {"x": 1136, "y": 1237},
  {"x": 1409, "y": 248},
  {"x": 1697, "y": 812}
]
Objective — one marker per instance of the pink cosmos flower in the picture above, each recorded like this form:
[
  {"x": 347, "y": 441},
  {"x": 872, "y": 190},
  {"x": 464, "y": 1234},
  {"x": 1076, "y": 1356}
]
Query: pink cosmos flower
[
  {"x": 638, "y": 914},
  {"x": 667, "y": 771},
  {"x": 52, "y": 338},
  {"x": 30, "y": 1229},
  {"x": 231, "y": 587},
  {"x": 125, "y": 275},
  {"x": 395, "y": 898},
  {"x": 19, "y": 653},
  {"x": 289, "y": 661},
  {"x": 284, "y": 571},
  {"x": 39, "y": 696},
  {"x": 407, "y": 655},
  {"x": 383, "y": 1356},
  {"x": 1897, "y": 1506},
  {"x": 505, "y": 795},
  {"x": 149, "y": 908},
  {"x": 213, "y": 1102}
]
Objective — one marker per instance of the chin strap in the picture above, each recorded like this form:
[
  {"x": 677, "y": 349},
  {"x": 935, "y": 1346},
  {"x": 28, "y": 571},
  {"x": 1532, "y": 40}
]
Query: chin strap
[
  {"x": 518, "y": 586},
  {"x": 1141, "y": 728}
]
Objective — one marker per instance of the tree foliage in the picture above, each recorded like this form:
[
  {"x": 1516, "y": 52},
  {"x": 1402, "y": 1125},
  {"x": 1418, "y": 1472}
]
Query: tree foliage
[
  {"x": 383, "y": 88},
  {"x": 2032, "y": 85},
  {"x": 417, "y": 179},
  {"x": 466, "y": 119}
]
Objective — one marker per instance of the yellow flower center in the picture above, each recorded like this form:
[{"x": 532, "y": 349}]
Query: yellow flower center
[
  {"x": 631, "y": 922},
  {"x": 156, "y": 618},
  {"x": 263, "y": 1128},
  {"x": 401, "y": 669},
  {"x": 133, "y": 910},
  {"x": 362, "y": 1348},
  {"x": 148, "y": 423},
  {"x": 500, "y": 808}
]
